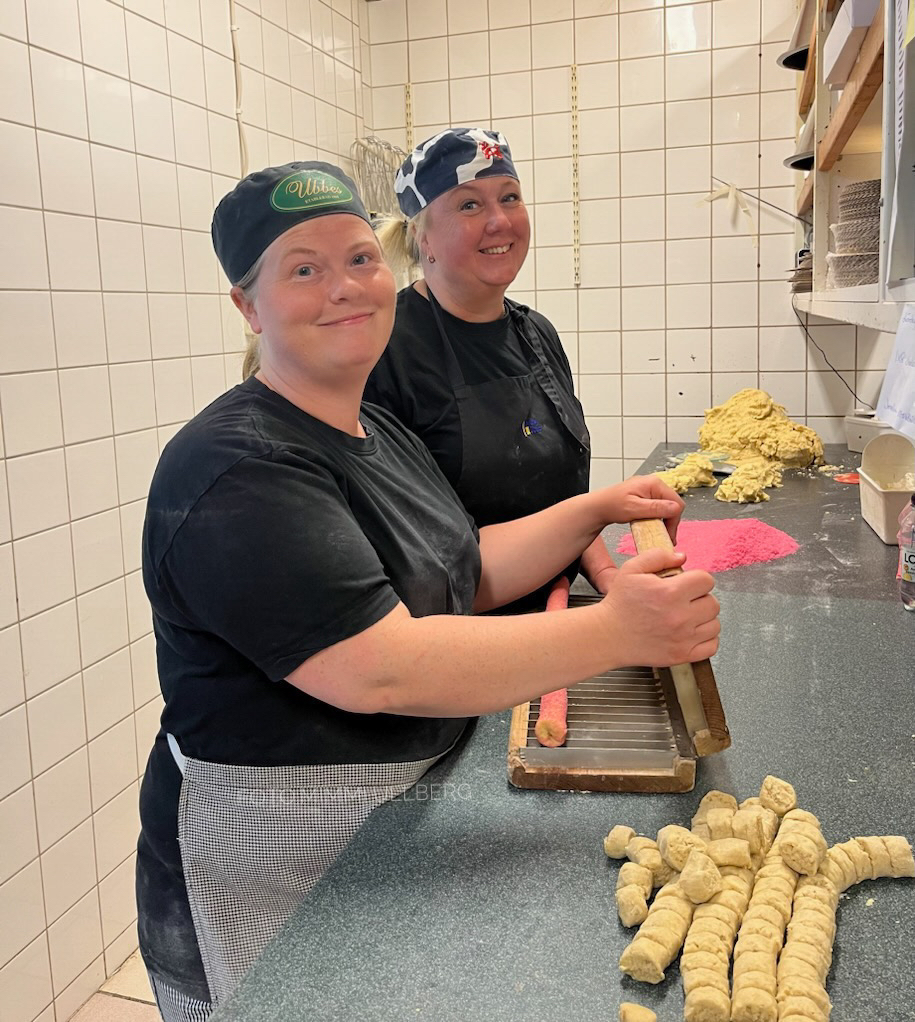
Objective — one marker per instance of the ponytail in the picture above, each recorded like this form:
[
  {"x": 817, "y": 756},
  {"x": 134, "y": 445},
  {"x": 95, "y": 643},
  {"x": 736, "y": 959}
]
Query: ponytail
[{"x": 399, "y": 240}]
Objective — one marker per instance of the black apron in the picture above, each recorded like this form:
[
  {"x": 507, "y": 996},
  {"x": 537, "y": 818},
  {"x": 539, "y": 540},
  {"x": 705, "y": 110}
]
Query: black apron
[{"x": 524, "y": 448}]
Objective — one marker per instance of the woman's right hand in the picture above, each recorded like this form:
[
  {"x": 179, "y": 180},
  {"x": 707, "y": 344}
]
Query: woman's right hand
[{"x": 657, "y": 622}]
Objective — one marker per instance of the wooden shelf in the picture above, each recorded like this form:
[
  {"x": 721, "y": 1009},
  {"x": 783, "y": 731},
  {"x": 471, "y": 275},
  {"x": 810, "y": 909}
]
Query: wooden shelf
[
  {"x": 863, "y": 84},
  {"x": 805, "y": 93},
  {"x": 805, "y": 195}
]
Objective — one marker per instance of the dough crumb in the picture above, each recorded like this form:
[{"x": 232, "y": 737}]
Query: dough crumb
[
  {"x": 694, "y": 470},
  {"x": 869, "y": 902},
  {"x": 630, "y": 1012}
]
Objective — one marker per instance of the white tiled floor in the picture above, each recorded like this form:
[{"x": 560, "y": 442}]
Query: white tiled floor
[{"x": 126, "y": 997}]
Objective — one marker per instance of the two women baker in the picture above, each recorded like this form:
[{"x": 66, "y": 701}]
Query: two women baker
[
  {"x": 482, "y": 380},
  {"x": 313, "y": 579}
]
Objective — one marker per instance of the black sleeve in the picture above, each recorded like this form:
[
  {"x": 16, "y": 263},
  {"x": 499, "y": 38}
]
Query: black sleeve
[
  {"x": 272, "y": 560},
  {"x": 383, "y": 388}
]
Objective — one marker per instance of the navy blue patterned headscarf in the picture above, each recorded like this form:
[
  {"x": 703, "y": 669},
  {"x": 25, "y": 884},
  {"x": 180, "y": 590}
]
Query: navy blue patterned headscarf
[{"x": 449, "y": 159}]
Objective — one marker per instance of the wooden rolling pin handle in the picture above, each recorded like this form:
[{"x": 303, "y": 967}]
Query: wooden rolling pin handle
[{"x": 652, "y": 534}]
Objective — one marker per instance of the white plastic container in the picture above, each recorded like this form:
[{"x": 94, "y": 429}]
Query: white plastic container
[
  {"x": 862, "y": 427},
  {"x": 840, "y": 51},
  {"x": 887, "y": 475}
]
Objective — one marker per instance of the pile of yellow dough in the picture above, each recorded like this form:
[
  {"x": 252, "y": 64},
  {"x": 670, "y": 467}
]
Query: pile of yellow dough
[
  {"x": 760, "y": 440},
  {"x": 755, "y": 882}
]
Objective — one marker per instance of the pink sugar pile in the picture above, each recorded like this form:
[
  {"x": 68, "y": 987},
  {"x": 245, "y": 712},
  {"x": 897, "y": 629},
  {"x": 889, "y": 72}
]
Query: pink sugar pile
[{"x": 726, "y": 543}]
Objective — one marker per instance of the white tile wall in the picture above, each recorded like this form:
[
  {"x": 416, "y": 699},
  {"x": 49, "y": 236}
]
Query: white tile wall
[
  {"x": 117, "y": 133},
  {"x": 668, "y": 97}
]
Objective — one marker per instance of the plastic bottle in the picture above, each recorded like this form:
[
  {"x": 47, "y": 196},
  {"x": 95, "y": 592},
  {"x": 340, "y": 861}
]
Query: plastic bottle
[{"x": 906, "y": 537}]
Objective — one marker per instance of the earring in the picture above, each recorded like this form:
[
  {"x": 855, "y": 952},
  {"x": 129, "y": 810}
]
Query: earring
[{"x": 431, "y": 258}]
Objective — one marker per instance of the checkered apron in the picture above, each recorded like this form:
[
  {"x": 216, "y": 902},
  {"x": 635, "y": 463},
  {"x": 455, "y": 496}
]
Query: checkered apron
[{"x": 255, "y": 840}]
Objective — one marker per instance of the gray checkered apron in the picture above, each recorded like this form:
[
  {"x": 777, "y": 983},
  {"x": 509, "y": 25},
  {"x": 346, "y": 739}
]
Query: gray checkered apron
[{"x": 255, "y": 840}]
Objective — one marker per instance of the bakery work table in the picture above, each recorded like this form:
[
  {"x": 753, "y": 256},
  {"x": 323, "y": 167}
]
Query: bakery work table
[{"x": 467, "y": 900}]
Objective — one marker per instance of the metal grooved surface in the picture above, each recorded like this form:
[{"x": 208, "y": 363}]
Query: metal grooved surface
[{"x": 620, "y": 710}]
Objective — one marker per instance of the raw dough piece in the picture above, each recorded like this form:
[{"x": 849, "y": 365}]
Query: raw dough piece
[
  {"x": 714, "y": 799},
  {"x": 707, "y": 1004},
  {"x": 630, "y": 1012},
  {"x": 653, "y": 949},
  {"x": 631, "y": 905},
  {"x": 718, "y": 821},
  {"x": 748, "y": 483},
  {"x": 695, "y": 979},
  {"x": 729, "y": 851},
  {"x": 901, "y": 858},
  {"x": 633, "y": 873},
  {"x": 751, "y": 424},
  {"x": 694, "y": 470},
  {"x": 777, "y": 795},
  {"x": 616, "y": 841},
  {"x": 752, "y": 1004},
  {"x": 645, "y": 961},
  {"x": 644, "y": 851},
  {"x": 700, "y": 878},
  {"x": 675, "y": 843},
  {"x": 747, "y": 825}
]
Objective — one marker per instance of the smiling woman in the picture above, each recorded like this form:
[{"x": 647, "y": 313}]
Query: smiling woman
[
  {"x": 482, "y": 380},
  {"x": 313, "y": 579}
]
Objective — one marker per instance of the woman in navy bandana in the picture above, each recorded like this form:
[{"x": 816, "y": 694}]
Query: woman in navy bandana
[{"x": 481, "y": 379}]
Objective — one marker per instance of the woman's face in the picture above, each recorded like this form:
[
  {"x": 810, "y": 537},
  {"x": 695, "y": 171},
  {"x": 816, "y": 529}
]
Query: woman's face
[
  {"x": 478, "y": 233},
  {"x": 324, "y": 300}
]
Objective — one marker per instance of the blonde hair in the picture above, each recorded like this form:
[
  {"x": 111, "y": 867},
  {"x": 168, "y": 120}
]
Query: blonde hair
[
  {"x": 248, "y": 287},
  {"x": 399, "y": 240}
]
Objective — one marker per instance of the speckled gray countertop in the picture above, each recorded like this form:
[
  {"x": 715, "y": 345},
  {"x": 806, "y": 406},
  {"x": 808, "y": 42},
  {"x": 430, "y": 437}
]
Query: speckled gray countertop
[{"x": 468, "y": 900}]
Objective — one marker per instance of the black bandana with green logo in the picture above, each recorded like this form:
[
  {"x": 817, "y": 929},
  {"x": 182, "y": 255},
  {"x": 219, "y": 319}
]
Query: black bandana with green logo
[{"x": 267, "y": 203}]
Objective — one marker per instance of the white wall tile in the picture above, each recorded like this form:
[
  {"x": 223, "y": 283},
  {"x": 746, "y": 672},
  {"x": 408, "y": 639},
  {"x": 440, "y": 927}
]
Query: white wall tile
[
  {"x": 599, "y": 395},
  {"x": 108, "y": 692},
  {"x": 57, "y": 86},
  {"x": 689, "y": 27},
  {"x": 689, "y": 351},
  {"x": 118, "y": 900},
  {"x": 787, "y": 389},
  {"x": 56, "y": 725},
  {"x": 158, "y": 186},
  {"x": 153, "y": 122},
  {"x": 14, "y": 752},
  {"x": 31, "y": 412},
  {"x": 12, "y": 688},
  {"x": 688, "y": 305},
  {"x": 97, "y": 554},
  {"x": 8, "y": 609},
  {"x": 735, "y": 71},
  {"x": 114, "y": 176},
  {"x": 642, "y": 127},
  {"x": 44, "y": 570},
  {"x": 12, "y": 20},
  {"x": 22, "y": 911},
  {"x": 552, "y": 90},
  {"x": 127, "y": 328},
  {"x": 34, "y": 336},
  {"x": 103, "y": 35},
  {"x": 778, "y": 18},
  {"x": 466, "y": 16},
  {"x": 642, "y": 173},
  {"x": 86, "y": 403},
  {"x": 736, "y": 22},
  {"x": 25, "y": 983},
  {"x": 116, "y": 826},
  {"x": 734, "y": 350},
  {"x": 276, "y": 50},
  {"x": 174, "y": 396},
  {"x": 599, "y": 309},
  {"x": 139, "y": 614},
  {"x": 688, "y": 75},
  {"x": 734, "y": 304},
  {"x": 641, "y": 34},
  {"x": 551, "y": 10},
  {"x": 214, "y": 21},
  {"x": 74, "y": 941},
  {"x": 552, "y": 45},
  {"x": 599, "y": 352},
  {"x": 23, "y": 258},
  {"x": 777, "y": 114},
  {"x": 50, "y": 648},
  {"x": 91, "y": 478},
  {"x": 190, "y": 134},
  {"x": 689, "y": 169},
  {"x": 108, "y": 100},
  {"x": 599, "y": 132},
  {"x": 428, "y": 60},
  {"x": 62, "y": 798},
  {"x": 54, "y": 25},
  {"x": 735, "y": 118},
  {"x": 642, "y": 262},
  {"x": 19, "y": 165},
  {"x": 641, "y": 81},
  {"x": 643, "y": 352},
  {"x": 643, "y": 432},
  {"x": 782, "y": 349},
  {"x": 430, "y": 17},
  {"x": 73, "y": 254},
  {"x": 68, "y": 870},
  {"x": 643, "y": 308},
  {"x": 596, "y": 39},
  {"x": 688, "y": 261},
  {"x": 19, "y": 844},
  {"x": 642, "y": 219},
  {"x": 132, "y": 523},
  {"x": 112, "y": 761},
  {"x": 688, "y": 393},
  {"x": 102, "y": 615},
  {"x": 600, "y": 266},
  {"x": 687, "y": 216},
  {"x": 75, "y": 994},
  {"x": 164, "y": 261},
  {"x": 15, "y": 82},
  {"x": 688, "y": 123}
]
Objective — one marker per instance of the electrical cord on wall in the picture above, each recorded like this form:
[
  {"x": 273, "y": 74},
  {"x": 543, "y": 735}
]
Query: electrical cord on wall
[
  {"x": 236, "y": 64},
  {"x": 825, "y": 359}
]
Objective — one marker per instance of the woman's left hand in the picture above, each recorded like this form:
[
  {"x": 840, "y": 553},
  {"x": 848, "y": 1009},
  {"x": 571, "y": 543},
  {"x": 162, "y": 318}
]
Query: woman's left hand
[{"x": 642, "y": 497}]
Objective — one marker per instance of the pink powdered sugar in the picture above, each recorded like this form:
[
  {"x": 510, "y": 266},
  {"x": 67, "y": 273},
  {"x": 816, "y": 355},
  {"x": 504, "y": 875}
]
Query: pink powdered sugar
[{"x": 726, "y": 543}]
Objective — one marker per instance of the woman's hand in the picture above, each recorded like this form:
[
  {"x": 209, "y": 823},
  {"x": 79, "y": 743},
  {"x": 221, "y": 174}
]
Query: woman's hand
[
  {"x": 642, "y": 497},
  {"x": 657, "y": 622}
]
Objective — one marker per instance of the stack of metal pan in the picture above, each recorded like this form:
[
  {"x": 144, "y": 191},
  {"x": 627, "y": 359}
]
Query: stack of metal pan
[{"x": 855, "y": 258}]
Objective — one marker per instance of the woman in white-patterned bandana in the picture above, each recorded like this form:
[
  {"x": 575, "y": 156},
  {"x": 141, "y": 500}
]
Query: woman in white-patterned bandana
[
  {"x": 482, "y": 380},
  {"x": 313, "y": 581}
]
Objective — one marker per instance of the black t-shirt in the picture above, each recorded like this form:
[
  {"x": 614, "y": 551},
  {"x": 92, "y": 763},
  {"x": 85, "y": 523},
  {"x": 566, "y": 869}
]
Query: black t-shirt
[
  {"x": 411, "y": 377},
  {"x": 270, "y": 536}
]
